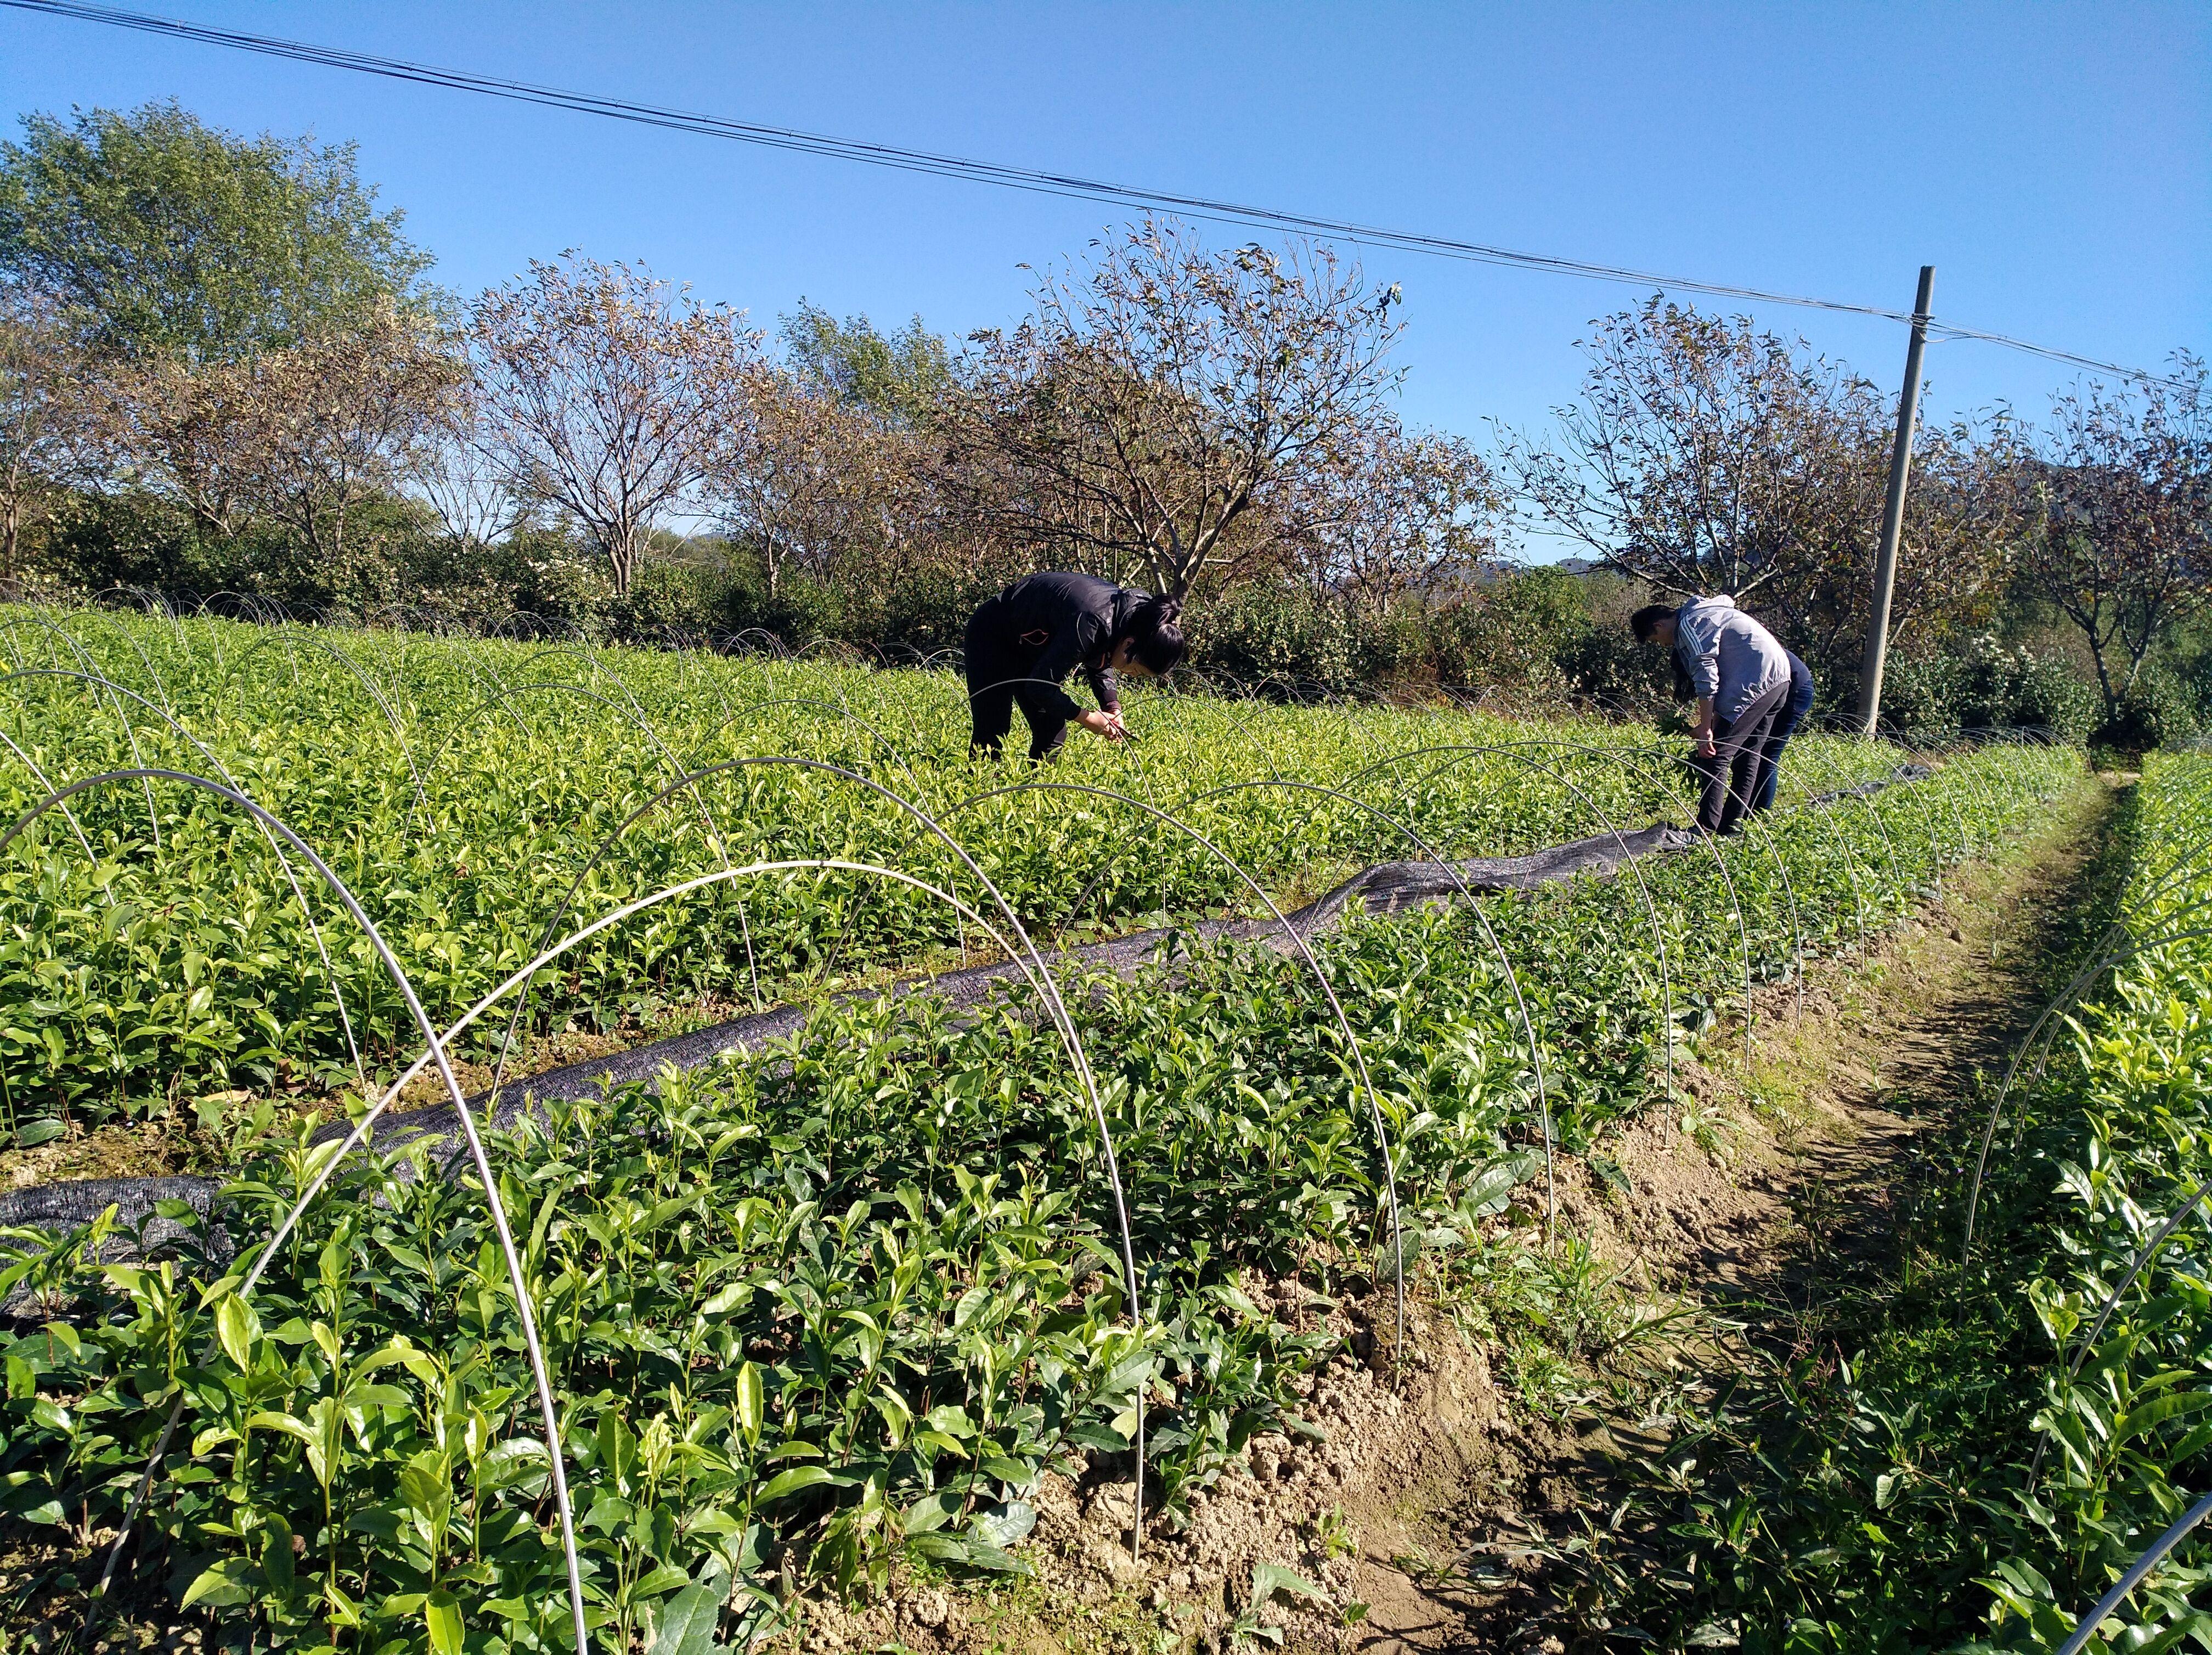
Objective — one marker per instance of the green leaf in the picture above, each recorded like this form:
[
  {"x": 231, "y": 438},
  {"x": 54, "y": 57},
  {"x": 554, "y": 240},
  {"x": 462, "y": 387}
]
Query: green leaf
[
  {"x": 1492, "y": 1189},
  {"x": 993, "y": 1558},
  {"x": 729, "y": 1299},
  {"x": 687, "y": 1623},
  {"x": 950, "y": 1419},
  {"x": 230, "y": 1582},
  {"x": 442, "y": 1616},
  {"x": 2159, "y": 1410},
  {"x": 1271, "y": 1579},
  {"x": 930, "y": 1513},
  {"x": 1006, "y": 1527},
  {"x": 748, "y": 1403},
  {"x": 237, "y": 1328},
  {"x": 265, "y": 1421},
  {"x": 799, "y": 1478}
]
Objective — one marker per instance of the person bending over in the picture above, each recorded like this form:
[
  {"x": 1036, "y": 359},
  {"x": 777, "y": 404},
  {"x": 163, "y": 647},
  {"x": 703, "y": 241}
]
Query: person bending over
[
  {"x": 1022, "y": 643},
  {"x": 1740, "y": 675},
  {"x": 1787, "y": 718}
]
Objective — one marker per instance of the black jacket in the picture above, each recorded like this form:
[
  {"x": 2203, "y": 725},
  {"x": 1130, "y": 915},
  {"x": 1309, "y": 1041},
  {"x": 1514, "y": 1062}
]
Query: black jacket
[{"x": 1052, "y": 623}]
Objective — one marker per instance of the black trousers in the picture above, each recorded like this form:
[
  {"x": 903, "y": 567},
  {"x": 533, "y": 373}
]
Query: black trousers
[
  {"x": 1787, "y": 717},
  {"x": 1730, "y": 776},
  {"x": 998, "y": 680}
]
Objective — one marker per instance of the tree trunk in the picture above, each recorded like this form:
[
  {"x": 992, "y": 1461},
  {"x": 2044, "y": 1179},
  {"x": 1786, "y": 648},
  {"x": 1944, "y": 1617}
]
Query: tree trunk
[{"x": 2104, "y": 679}]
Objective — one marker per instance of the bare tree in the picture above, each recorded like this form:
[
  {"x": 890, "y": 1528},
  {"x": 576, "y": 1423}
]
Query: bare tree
[
  {"x": 186, "y": 433},
  {"x": 467, "y": 489},
  {"x": 43, "y": 425},
  {"x": 2123, "y": 547},
  {"x": 1963, "y": 517},
  {"x": 809, "y": 480},
  {"x": 1152, "y": 403},
  {"x": 335, "y": 423},
  {"x": 601, "y": 389},
  {"x": 1708, "y": 457},
  {"x": 1395, "y": 513},
  {"x": 1702, "y": 458}
]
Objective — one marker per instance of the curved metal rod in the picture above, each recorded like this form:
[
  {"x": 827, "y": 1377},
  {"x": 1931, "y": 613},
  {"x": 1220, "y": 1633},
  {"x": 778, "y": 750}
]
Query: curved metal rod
[
  {"x": 709, "y": 675},
  {"x": 2149, "y": 1250},
  {"x": 1344, "y": 1023},
  {"x": 713, "y": 831},
  {"x": 91, "y": 675},
  {"x": 150, "y": 602},
  {"x": 2153, "y": 1555},
  {"x": 1742, "y": 921},
  {"x": 752, "y": 707},
  {"x": 927, "y": 824},
  {"x": 1842, "y": 841},
  {"x": 338, "y": 886},
  {"x": 1935, "y": 869},
  {"x": 910, "y": 709},
  {"x": 2081, "y": 978},
  {"x": 144, "y": 661},
  {"x": 1847, "y": 791},
  {"x": 1465, "y": 750},
  {"x": 67, "y": 815},
  {"x": 775, "y": 643},
  {"x": 100, "y": 681},
  {"x": 1048, "y": 988},
  {"x": 1888, "y": 841},
  {"x": 1512, "y": 978},
  {"x": 581, "y": 652},
  {"x": 37, "y": 617},
  {"x": 2181, "y": 868},
  {"x": 213, "y": 634},
  {"x": 1647, "y": 760}
]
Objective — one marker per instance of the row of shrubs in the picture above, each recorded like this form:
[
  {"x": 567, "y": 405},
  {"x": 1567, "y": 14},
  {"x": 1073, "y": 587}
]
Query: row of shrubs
[
  {"x": 1991, "y": 684},
  {"x": 1533, "y": 634},
  {"x": 1530, "y": 637}
]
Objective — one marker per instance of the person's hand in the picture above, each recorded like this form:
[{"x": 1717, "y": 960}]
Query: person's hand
[
  {"x": 1701, "y": 739},
  {"x": 1109, "y": 725}
]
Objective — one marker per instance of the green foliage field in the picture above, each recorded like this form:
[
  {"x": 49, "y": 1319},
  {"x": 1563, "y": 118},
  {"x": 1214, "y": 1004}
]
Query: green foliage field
[
  {"x": 482, "y": 799},
  {"x": 836, "y": 1307}
]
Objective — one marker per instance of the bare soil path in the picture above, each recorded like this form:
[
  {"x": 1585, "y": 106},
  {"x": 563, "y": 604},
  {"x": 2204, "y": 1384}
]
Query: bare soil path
[{"x": 1822, "y": 1177}]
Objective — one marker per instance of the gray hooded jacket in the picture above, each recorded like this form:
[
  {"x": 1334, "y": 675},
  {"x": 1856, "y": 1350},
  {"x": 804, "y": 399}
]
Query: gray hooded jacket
[{"x": 1729, "y": 656}]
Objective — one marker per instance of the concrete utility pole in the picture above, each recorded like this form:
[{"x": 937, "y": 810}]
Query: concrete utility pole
[{"x": 1893, "y": 511}]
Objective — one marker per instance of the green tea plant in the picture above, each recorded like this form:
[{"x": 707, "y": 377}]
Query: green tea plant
[
  {"x": 482, "y": 798},
  {"x": 846, "y": 1302}
]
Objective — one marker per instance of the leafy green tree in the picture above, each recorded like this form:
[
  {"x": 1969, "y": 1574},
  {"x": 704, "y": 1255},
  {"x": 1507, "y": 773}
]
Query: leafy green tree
[
  {"x": 160, "y": 235},
  {"x": 898, "y": 375}
]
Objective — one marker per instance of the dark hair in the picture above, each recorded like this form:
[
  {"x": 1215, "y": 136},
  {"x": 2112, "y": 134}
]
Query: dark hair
[
  {"x": 1645, "y": 621},
  {"x": 1154, "y": 638}
]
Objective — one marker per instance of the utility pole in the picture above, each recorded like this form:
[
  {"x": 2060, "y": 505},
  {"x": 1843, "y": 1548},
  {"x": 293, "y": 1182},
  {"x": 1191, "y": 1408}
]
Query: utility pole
[{"x": 1893, "y": 511}]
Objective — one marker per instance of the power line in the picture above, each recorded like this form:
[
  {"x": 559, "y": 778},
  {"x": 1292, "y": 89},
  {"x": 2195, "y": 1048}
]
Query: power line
[
  {"x": 981, "y": 172},
  {"x": 1948, "y": 330}
]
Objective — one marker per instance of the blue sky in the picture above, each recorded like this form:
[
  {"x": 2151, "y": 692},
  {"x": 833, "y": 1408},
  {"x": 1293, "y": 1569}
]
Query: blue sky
[{"x": 2053, "y": 160}]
